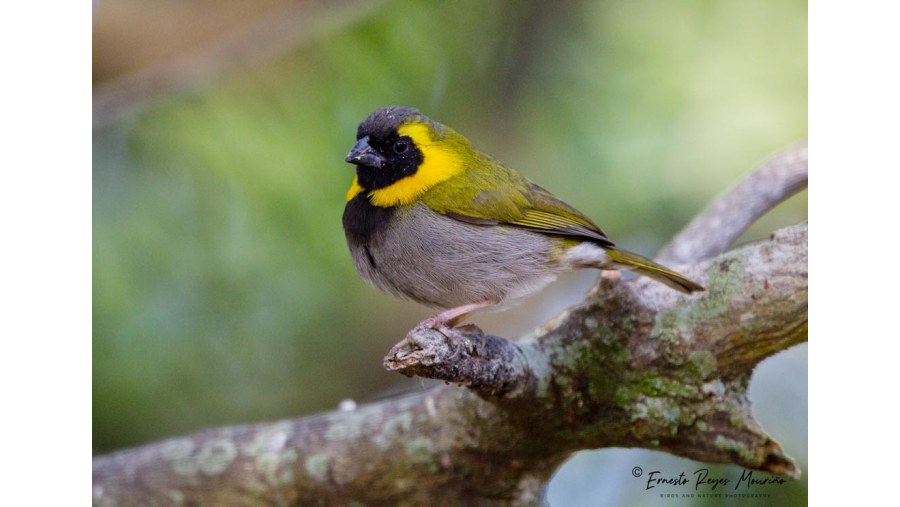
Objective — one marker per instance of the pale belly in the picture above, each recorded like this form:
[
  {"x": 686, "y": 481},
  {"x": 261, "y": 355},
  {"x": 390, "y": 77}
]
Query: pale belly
[{"x": 442, "y": 262}]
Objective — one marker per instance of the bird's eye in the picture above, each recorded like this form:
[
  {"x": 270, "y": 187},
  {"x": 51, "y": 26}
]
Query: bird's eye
[{"x": 401, "y": 146}]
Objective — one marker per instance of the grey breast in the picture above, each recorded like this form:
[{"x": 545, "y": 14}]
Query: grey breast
[{"x": 442, "y": 262}]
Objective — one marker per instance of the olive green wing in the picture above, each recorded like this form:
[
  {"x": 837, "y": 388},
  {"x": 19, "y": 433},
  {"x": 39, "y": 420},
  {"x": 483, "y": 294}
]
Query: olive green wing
[
  {"x": 489, "y": 193},
  {"x": 553, "y": 216}
]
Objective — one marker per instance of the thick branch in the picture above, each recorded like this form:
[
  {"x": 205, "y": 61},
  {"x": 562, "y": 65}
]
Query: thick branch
[
  {"x": 611, "y": 372},
  {"x": 491, "y": 366},
  {"x": 634, "y": 365}
]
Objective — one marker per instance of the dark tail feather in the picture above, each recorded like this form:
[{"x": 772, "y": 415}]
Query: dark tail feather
[{"x": 642, "y": 265}]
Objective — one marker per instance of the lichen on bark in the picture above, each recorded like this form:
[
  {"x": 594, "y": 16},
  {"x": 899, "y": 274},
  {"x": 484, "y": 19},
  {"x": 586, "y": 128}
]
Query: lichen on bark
[{"x": 633, "y": 365}]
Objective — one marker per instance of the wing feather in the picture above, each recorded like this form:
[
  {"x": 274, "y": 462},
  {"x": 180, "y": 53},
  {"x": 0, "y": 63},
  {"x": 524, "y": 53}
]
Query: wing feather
[{"x": 489, "y": 193}]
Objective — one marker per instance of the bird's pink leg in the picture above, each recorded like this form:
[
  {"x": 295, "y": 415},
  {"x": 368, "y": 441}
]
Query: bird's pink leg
[{"x": 445, "y": 320}]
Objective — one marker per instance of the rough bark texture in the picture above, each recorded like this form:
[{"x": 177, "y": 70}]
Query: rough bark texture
[{"x": 634, "y": 365}]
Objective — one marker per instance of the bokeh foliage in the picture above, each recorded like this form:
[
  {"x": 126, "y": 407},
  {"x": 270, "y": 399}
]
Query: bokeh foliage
[{"x": 223, "y": 291}]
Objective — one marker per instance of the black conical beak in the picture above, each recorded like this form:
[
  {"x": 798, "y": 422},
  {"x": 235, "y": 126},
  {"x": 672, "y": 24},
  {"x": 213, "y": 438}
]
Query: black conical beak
[{"x": 363, "y": 154}]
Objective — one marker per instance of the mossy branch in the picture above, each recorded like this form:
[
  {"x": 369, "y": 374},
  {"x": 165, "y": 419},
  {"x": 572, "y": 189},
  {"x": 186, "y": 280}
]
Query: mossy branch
[{"x": 634, "y": 365}]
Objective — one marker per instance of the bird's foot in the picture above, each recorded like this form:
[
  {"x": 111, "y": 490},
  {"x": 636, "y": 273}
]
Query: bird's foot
[
  {"x": 445, "y": 321},
  {"x": 441, "y": 326}
]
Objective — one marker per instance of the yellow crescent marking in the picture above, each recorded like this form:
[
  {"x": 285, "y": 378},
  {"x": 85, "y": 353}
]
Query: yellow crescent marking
[
  {"x": 355, "y": 189},
  {"x": 439, "y": 164}
]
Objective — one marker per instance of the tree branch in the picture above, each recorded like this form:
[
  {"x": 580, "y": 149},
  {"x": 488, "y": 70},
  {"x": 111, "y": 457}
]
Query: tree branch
[
  {"x": 634, "y": 365},
  {"x": 722, "y": 222}
]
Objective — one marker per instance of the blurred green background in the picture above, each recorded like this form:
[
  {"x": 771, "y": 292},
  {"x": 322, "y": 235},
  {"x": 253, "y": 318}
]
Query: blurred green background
[{"x": 223, "y": 291}]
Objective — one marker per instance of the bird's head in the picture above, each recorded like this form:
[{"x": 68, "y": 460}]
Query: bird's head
[{"x": 400, "y": 153}]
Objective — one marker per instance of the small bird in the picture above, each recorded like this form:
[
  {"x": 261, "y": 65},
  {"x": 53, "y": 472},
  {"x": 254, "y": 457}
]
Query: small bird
[{"x": 432, "y": 219}]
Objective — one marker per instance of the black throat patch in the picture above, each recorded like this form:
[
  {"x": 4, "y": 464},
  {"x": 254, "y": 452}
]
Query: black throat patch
[{"x": 363, "y": 221}]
